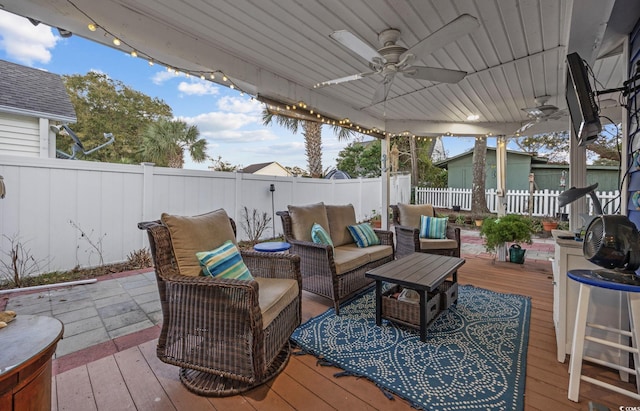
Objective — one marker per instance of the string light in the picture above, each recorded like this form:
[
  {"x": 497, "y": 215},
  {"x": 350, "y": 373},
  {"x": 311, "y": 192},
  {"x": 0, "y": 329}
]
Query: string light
[
  {"x": 93, "y": 26},
  {"x": 299, "y": 106}
]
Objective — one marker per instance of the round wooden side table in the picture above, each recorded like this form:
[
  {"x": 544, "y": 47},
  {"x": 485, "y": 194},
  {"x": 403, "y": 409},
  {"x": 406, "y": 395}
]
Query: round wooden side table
[{"x": 28, "y": 343}]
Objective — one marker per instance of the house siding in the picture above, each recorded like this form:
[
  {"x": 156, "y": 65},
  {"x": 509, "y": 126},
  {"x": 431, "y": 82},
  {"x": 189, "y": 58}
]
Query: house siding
[
  {"x": 273, "y": 169},
  {"x": 19, "y": 135},
  {"x": 547, "y": 176},
  {"x": 460, "y": 173}
]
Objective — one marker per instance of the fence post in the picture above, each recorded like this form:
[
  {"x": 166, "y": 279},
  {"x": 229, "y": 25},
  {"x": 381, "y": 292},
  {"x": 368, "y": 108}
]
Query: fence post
[{"x": 147, "y": 191}]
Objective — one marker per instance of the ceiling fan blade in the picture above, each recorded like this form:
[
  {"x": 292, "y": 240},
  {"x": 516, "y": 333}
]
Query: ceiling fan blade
[
  {"x": 439, "y": 75},
  {"x": 463, "y": 24},
  {"x": 345, "y": 79},
  {"x": 356, "y": 45},
  {"x": 383, "y": 89},
  {"x": 525, "y": 127}
]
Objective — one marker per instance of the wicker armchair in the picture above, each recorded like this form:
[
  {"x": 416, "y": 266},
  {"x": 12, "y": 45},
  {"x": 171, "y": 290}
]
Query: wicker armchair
[
  {"x": 215, "y": 329},
  {"x": 408, "y": 233}
]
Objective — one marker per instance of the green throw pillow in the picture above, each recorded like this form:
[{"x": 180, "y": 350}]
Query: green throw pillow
[
  {"x": 320, "y": 236},
  {"x": 433, "y": 227},
  {"x": 363, "y": 235},
  {"x": 224, "y": 262}
]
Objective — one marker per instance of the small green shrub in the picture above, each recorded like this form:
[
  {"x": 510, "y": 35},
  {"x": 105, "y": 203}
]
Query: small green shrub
[{"x": 512, "y": 228}]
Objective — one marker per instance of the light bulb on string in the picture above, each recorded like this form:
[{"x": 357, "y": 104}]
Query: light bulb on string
[
  {"x": 116, "y": 41},
  {"x": 134, "y": 53},
  {"x": 92, "y": 27}
]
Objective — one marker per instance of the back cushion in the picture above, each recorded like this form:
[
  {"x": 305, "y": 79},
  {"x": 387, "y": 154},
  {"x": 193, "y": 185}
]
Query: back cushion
[
  {"x": 340, "y": 217},
  {"x": 410, "y": 213},
  {"x": 303, "y": 218},
  {"x": 190, "y": 235}
]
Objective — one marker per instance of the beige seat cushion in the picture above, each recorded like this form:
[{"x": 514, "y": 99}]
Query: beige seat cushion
[
  {"x": 376, "y": 252},
  {"x": 274, "y": 295},
  {"x": 434, "y": 244},
  {"x": 348, "y": 258},
  {"x": 341, "y": 216},
  {"x": 303, "y": 218},
  {"x": 190, "y": 235},
  {"x": 410, "y": 213}
]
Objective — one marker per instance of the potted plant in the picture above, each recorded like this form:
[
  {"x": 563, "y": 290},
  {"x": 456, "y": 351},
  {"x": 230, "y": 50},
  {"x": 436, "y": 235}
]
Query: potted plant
[
  {"x": 549, "y": 224},
  {"x": 376, "y": 219},
  {"x": 497, "y": 232},
  {"x": 479, "y": 219}
]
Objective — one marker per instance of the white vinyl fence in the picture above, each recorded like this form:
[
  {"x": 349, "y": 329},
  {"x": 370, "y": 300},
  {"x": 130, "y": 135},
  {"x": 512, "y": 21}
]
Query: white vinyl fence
[
  {"x": 50, "y": 203},
  {"x": 544, "y": 203}
]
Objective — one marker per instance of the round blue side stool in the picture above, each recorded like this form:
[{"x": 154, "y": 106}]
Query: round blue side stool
[
  {"x": 613, "y": 280},
  {"x": 272, "y": 247}
]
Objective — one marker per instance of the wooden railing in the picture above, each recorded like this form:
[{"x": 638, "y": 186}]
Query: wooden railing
[{"x": 543, "y": 203}]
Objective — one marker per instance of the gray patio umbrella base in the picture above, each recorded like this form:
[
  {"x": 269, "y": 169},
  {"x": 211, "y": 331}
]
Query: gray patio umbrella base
[{"x": 213, "y": 385}]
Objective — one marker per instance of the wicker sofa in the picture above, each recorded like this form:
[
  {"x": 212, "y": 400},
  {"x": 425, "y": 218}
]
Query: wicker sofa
[
  {"x": 406, "y": 220},
  {"x": 333, "y": 272}
]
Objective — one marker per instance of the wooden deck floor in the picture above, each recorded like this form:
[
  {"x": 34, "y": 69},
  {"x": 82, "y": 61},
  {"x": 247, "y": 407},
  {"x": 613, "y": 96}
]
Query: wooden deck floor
[{"x": 136, "y": 379}]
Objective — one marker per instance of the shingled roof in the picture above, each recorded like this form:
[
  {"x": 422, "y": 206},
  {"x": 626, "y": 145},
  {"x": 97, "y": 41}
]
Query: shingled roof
[{"x": 32, "y": 92}]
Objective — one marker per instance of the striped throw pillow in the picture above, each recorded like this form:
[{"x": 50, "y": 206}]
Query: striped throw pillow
[
  {"x": 363, "y": 235},
  {"x": 224, "y": 262},
  {"x": 433, "y": 227},
  {"x": 320, "y": 236}
]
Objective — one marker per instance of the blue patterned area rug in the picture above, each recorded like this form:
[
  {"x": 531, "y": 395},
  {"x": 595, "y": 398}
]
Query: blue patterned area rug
[{"x": 474, "y": 358}]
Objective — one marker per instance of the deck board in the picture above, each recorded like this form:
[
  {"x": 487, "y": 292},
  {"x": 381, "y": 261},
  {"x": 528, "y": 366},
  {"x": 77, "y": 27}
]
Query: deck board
[
  {"x": 152, "y": 384},
  {"x": 109, "y": 387}
]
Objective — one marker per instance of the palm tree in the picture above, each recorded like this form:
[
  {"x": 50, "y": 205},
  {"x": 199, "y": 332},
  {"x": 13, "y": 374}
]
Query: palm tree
[
  {"x": 164, "y": 143},
  {"x": 312, "y": 132}
]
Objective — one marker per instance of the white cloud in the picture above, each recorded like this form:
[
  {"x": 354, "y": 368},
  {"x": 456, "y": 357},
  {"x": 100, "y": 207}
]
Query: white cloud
[
  {"x": 241, "y": 136},
  {"x": 240, "y": 105},
  {"x": 216, "y": 121},
  {"x": 25, "y": 42},
  {"x": 161, "y": 77},
  {"x": 198, "y": 88}
]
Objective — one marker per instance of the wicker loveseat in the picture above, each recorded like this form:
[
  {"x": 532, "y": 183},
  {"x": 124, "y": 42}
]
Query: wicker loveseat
[
  {"x": 227, "y": 335},
  {"x": 406, "y": 220},
  {"x": 333, "y": 272}
]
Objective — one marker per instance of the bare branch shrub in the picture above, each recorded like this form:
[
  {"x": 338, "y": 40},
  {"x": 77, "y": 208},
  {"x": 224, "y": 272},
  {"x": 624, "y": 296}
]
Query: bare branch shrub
[
  {"x": 255, "y": 224},
  {"x": 140, "y": 258},
  {"x": 21, "y": 262},
  {"x": 95, "y": 246}
]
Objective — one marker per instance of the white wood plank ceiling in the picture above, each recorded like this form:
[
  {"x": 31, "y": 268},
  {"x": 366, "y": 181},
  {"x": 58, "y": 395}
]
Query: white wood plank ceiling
[{"x": 281, "y": 48}]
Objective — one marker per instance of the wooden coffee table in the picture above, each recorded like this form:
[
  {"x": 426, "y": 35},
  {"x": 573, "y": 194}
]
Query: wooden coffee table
[{"x": 419, "y": 271}]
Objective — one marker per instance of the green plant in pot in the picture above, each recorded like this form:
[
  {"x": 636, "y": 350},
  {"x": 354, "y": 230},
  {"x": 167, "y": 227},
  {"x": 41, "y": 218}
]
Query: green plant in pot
[{"x": 512, "y": 228}]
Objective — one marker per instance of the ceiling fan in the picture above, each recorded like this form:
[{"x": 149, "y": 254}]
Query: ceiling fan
[
  {"x": 392, "y": 58},
  {"x": 541, "y": 112}
]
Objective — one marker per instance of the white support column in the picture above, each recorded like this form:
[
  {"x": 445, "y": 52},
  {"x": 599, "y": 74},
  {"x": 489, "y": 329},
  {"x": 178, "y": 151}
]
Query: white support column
[
  {"x": 501, "y": 174},
  {"x": 386, "y": 166}
]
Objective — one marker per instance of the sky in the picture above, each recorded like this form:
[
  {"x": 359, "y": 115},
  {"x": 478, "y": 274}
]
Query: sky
[{"x": 231, "y": 122}]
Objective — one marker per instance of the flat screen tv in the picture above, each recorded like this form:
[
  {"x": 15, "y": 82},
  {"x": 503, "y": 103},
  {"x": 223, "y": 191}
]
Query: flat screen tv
[{"x": 581, "y": 103}]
